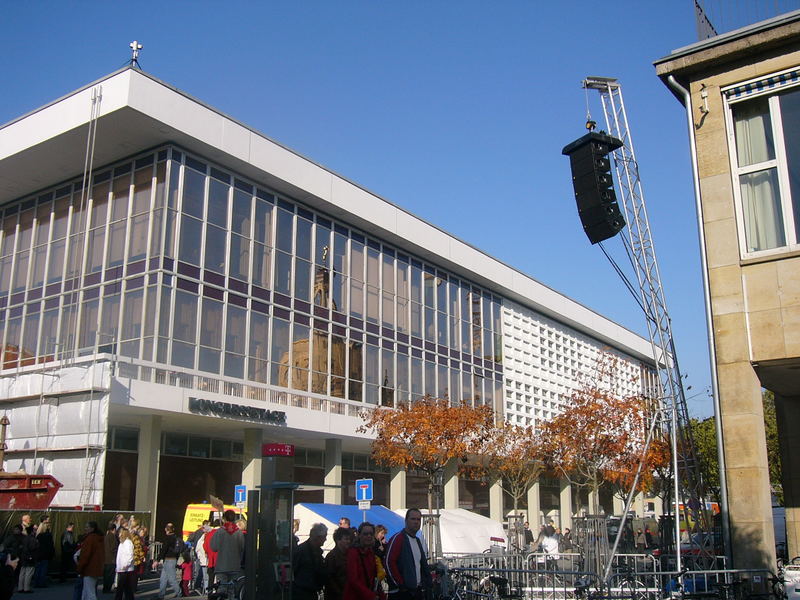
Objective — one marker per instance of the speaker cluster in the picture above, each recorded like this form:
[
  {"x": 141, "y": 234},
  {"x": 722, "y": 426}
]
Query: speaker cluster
[{"x": 594, "y": 185}]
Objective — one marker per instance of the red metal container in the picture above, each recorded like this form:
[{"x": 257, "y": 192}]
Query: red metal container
[{"x": 22, "y": 491}]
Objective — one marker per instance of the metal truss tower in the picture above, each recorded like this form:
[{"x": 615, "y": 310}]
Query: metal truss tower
[{"x": 688, "y": 487}]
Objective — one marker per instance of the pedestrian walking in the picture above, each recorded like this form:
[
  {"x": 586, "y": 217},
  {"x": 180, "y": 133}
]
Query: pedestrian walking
[
  {"x": 68, "y": 547},
  {"x": 45, "y": 553},
  {"x": 407, "y": 569},
  {"x": 363, "y": 576},
  {"x": 228, "y": 543},
  {"x": 124, "y": 566},
  {"x": 308, "y": 568},
  {"x": 91, "y": 560},
  {"x": 336, "y": 564},
  {"x": 171, "y": 549}
]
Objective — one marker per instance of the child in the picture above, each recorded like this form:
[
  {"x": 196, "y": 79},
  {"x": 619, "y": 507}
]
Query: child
[{"x": 186, "y": 571}]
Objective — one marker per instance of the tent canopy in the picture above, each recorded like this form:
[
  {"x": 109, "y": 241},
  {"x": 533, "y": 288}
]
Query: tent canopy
[{"x": 329, "y": 514}]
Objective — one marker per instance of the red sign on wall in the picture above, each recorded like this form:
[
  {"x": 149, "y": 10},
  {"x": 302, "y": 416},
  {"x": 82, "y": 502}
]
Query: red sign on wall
[{"x": 277, "y": 450}]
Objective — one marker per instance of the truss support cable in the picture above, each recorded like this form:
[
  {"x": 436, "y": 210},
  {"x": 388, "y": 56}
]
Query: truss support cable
[{"x": 641, "y": 252}]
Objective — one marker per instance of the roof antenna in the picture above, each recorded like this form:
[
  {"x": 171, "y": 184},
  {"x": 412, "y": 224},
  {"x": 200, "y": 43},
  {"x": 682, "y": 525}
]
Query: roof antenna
[{"x": 135, "y": 47}]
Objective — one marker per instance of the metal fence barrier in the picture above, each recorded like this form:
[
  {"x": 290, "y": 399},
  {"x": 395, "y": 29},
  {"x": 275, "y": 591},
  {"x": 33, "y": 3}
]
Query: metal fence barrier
[{"x": 635, "y": 577}]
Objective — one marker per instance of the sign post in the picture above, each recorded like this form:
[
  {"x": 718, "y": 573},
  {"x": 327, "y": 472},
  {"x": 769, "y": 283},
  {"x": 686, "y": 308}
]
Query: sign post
[
  {"x": 364, "y": 496},
  {"x": 240, "y": 495}
]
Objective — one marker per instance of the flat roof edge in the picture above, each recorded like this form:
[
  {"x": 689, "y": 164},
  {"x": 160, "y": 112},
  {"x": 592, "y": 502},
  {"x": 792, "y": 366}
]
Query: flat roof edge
[
  {"x": 527, "y": 291},
  {"x": 730, "y": 36}
]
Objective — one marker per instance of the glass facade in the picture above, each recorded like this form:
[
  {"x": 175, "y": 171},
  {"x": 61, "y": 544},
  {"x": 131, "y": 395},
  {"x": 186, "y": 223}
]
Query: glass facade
[{"x": 166, "y": 258}]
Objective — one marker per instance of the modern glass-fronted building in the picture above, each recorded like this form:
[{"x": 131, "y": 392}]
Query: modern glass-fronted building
[{"x": 176, "y": 289}]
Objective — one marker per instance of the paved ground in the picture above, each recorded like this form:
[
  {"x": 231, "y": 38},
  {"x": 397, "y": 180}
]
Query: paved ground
[{"x": 148, "y": 590}]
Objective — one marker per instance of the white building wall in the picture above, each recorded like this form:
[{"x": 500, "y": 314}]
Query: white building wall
[{"x": 544, "y": 362}]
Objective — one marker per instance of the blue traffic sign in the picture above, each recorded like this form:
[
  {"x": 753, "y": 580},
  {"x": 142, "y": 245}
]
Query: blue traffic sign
[
  {"x": 239, "y": 493},
  {"x": 363, "y": 490}
]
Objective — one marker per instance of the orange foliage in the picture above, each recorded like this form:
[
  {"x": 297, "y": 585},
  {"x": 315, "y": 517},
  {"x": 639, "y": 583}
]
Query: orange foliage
[
  {"x": 512, "y": 455},
  {"x": 426, "y": 434},
  {"x": 601, "y": 435}
]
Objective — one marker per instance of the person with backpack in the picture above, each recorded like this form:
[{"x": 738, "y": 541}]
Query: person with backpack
[
  {"x": 171, "y": 549},
  {"x": 228, "y": 543}
]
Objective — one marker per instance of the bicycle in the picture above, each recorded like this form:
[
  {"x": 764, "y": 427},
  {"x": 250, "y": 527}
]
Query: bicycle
[
  {"x": 498, "y": 587},
  {"x": 227, "y": 590}
]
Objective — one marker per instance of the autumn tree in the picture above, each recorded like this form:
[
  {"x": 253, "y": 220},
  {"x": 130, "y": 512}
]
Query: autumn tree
[
  {"x": 600, "y": 431},
  {"x": 512, "y": 455},
  {"x": 655, "y": 473},
  {"x": 426, "y": 435}
]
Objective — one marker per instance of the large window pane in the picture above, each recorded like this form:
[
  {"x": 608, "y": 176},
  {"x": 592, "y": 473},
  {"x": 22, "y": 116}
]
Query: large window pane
[
  {"x": 283, "y": 233},
  {"x": 763, "y": 219},
  {"x": 191, "y": 232},
  {"x": 239, "y": 257},
  {"x": 279, "y": 353},
  {"x": 215, "y": 249},
  {"x": 303, "y": 238},
  {"x": 194, "y": 185},
  {"x": 184, "y": 326},
  {"x": 283, "y": 273},
  {"x": 143, "y": 184},
  {"x": 302, "y": 280},
  {"x": 235, "y": 330},
  {"x": 132, "y": 314},
  {"x": 753, "y": 126},
  {"x": 262, "y": 261},
  {"x": 263, "y": 222},
  {"x": 211, "y": 323},
  {"x": 240, "y": 222},
  {"x": 218, "y": 203},
  {"x": 137, "y": 247},
  {"x": 259, "y": 336}
]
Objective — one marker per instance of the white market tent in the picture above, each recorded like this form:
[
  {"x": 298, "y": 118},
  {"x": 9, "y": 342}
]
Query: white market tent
[{"x": 465, "y": 532}]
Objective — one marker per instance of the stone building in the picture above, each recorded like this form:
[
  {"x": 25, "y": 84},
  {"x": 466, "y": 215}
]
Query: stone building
[{"x": 742, "y": 95}]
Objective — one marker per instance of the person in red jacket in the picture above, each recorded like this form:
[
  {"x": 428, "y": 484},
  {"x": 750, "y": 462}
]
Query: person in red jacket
[
  {"x": 363, "y": 582},
  {"x": 211, "y": 554},
  {"x": 91, "y": 560}
]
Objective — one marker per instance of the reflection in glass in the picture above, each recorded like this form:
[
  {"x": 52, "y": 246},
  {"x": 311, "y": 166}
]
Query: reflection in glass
[
  {"x": 194, "y": 185},
  {"x": 263, "y": 222},
  {"x": 303, "y": 241},
  {"x": 279, "y": 353},
  {"x": 302, "y": 279},
  {"x": 218, "y": 203},
  {"x": 283, "y": 273},
  {"x": 262, "y": 258},
  {"x": 191, "y": 231},
  {"x": 215, "y": 249}
]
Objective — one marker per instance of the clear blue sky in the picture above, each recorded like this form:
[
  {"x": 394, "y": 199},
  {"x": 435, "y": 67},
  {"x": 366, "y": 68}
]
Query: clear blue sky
[{"x": 457, "y": 111}]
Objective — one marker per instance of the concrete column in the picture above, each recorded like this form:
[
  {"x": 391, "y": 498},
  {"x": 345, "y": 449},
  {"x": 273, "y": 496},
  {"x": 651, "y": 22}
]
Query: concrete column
[
  {"x": 788, "y": 418},
  {"x": 619, "y": 504},
  {"x": 565, "y": 503},
  {"x": 745, "y": 448},
  {"x": 451, "y": 484},
  {"x": 639, "y": 504},
  {"x": 397, "y": 488},
  {"x": 147, "y": 463},
  {"x": 251, "y": 464},
  {"x": 534, "y": 507},
  {"x": 333, "y": 471},
  {"x": 593, "y": 502},
  {"x": 496, "y": 511}
]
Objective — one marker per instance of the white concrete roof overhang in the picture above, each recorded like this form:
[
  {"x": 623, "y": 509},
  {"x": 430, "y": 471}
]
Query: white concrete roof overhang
[{"x": 137, "y": 111}]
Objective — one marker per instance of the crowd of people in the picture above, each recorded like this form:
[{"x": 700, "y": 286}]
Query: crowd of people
[
  {"x": 115, "y": 558},
  {"x": 363, "y": 565}
]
